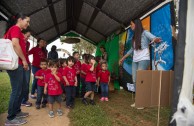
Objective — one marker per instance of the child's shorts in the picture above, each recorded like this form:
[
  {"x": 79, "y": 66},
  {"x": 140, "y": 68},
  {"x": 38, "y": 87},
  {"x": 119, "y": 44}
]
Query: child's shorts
[
  {"x": 90, "y": 86},
  {"x": 53, "y": 98}
]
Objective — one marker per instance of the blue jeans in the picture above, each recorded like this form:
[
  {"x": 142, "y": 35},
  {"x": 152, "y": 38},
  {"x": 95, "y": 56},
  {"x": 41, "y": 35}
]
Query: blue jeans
[
  {"x": 27, "y": 74},
  {"x": 141, "y": 65},
  {"x": 17, "y": 81},
  {"x": 104, "y": 89},
  {"x": 83, "y": 90},
  {"x": 34, "y": 83},
  {"x": 70, "y": 95},
  {"x": 41, "y": 95}
]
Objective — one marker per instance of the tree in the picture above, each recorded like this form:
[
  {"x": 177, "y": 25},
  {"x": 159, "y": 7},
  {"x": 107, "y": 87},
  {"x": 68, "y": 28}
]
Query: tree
[{"x": 84, "y": 47}]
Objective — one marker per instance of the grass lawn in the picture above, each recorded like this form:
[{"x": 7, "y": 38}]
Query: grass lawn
[{"x": 116, "y": 112}]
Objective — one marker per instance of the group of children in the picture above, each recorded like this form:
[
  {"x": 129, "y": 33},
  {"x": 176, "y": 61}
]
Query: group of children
[{"x": 64, "y": 76}]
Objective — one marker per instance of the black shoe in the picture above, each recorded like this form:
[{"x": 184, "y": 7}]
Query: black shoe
[
  {"x": 37, "y": 106},
  {"x": 92, "y": 102},
  {"x": 43, "y": 105},
  {"x": 84, "y": 101}
]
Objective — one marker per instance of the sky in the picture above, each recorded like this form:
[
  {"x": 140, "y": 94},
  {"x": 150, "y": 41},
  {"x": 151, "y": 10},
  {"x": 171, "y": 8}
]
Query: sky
[{"x": 59, "y": 45}]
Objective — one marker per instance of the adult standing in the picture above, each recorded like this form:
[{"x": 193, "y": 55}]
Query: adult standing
[
  {"x": 16, "y": 25},
  {"x": 27, "y": 74},
  {"x": 53, "y": 55},
  {"x": 38, "y": 54},
  {"x": 104, "y": 56},
  {"x": 140, "y": 48}
]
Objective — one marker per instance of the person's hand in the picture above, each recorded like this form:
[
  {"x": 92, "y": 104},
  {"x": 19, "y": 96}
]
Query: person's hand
[
  {"x": 120, "y": 62},
  {"x": 76, "y": 83},
  {"x": 93, "y": 61},
  {"x": 25, "y": 65},
  {"x": 157, "y": 40},
  {"x": 54, "y": 72},
  {"x": 67, "y": 83},
  {"x": 41, "y": 77},
  {"x": 45, "y": 91}
]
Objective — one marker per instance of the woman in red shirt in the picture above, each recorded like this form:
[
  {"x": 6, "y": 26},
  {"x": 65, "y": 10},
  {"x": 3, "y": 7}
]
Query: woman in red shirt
[
  {"x": 16, "y": 25},
  {"x": 38, "y": 54}
]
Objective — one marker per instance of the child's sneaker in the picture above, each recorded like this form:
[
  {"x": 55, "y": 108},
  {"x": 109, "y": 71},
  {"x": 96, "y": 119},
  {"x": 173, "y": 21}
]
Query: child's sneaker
[
  {"x": 102, "y": 99},
  {"x": 51, "y": 114},
  {"x": 59, "y": 112},
  {"x": 133, "y": 105},
  {"x": 84, "y": 101},
  {"x": 15, "y": 122},
  {"x": 33, "y": 96},
  {"x": 106, "y": 99},
  {"x": 43, "y": 105},
  {"x": 92, "y": 102},
  {"x": 27, "y": 104},
  {"x": 37, "y": 106}
]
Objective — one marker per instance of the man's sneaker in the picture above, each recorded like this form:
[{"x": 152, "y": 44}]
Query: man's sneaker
[
  {"x": 102, "y": 99},
  {"x": 27, "y": 104},
  {"x": 92, "y": 102},
  {"x": 22, "y": 115},
  {"x": 43, "y": 105},
  {"x": 15, "y": 122},
  {"x": 59, "y": 112},
  {"x": 133, "y": 105},
  {"x": 32, "y": 96},
  {"x": 84, "y": 101},
  {"x": 37, "y": 106},
  {"x": 106, "y": 99},
  {"x": 51, "y": 114}
]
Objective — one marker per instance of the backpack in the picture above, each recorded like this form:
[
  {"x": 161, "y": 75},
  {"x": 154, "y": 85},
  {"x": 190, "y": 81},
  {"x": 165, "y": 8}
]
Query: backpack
[{"x": 8, "y": 57}]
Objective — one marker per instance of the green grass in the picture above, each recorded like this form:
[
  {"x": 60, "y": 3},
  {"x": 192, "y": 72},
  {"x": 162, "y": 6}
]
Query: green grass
[
  {"x": 116, "y": 112},
  {"x": 5, "y": 89}
]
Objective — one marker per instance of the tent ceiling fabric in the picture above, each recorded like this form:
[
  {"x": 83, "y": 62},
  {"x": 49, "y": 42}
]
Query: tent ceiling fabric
[{"x": 94, "y": 19}]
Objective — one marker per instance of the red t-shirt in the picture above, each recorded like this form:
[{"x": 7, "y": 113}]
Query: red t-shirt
[
  {"x": 60, "y": 70},
  {"x": 70, "y": 74},
  {"x": 42, "y": 73},
  {"x": 84, "y": 69},
  {"x": 104, "y": 76},
  {"x": 38, "y": 54},
  {"x": 54, "y": 87},
  {"x": 77, "y": 66},
  {"x": 27, "y": 49},
  {"x": 98, "y": 68},
  {"x": 90, "y": 75},
  {"x": 15, "y": 32}
]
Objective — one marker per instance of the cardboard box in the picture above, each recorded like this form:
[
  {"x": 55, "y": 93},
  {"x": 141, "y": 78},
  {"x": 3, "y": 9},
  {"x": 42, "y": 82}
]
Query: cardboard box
[{"x": 153, "y": 88}]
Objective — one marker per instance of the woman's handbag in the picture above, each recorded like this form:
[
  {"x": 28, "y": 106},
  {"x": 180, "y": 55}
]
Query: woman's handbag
[{"x": 8, "y": 57}]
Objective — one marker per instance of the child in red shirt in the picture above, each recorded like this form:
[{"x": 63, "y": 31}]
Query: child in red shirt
[
  {"x": 40, "y": 76},
  {"x": 90, "y": 80},
  {"x": 70, "y": 78},
  {"x": 77, "y": 67},
  {"x": 103, "y": 80},
  {"x": 63, "y": 63},
  {"x": 53, "y": 88},
  {"x": 83, "y": 74}
]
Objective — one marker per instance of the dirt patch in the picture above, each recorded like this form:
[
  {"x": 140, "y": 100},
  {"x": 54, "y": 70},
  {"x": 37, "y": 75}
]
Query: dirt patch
[{"x": 40, "y": 117}]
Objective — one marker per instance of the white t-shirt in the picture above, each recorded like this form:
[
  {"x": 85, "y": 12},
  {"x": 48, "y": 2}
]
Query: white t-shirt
[{"x": 139, "y": 55}]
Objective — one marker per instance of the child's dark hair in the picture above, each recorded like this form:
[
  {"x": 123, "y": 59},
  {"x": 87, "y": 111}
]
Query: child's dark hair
[
  {"x": 25, "y": 31},
  {"x": 44, "y": 60},
  {"x": 70, "y": 58},
  {"x": 38, "y": 40},
  {"x": 13, "y": 20},
  {"x": 75, "y": 53},
  {"x": 102, "y": 47},
  {"x": 98, "y": 58},
  {"x": 90, "y": 57},
  {"x": 53, "y": 63},
  {"x": 63, "y": 60},
  {"x": 104, "y": 62}
]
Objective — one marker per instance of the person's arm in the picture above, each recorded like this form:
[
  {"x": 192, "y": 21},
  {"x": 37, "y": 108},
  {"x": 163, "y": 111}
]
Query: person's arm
[
  {"x": 105, "y": 55},
  {"x": 45, "y": 88},
  {"x": 76, "y": 81},
  {"x": 18, "y": 50},
  {"x": 31, "y": 51},
  {"x": 39, "y": 77},
  {"x": 83, "y": 72},
  {"x": 151, "y": 37},
  {"x": 93, "y": 65},
  {"x": 98, "y": 81},
  {"x": 108, "y": 79},
  {"x": 57, "y": 77},
  {"x": 125, "y": 56},
  {"x": 66, "y": 81}
]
